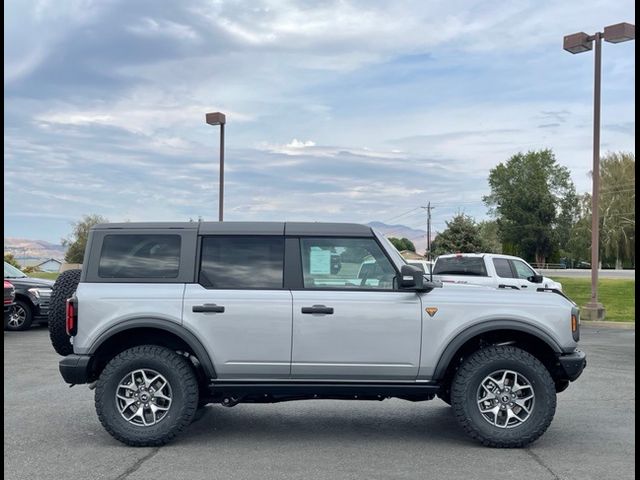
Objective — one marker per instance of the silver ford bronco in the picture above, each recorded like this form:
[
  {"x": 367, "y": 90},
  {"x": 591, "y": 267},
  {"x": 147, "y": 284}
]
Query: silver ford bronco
[{"x": 168, "y": 317}]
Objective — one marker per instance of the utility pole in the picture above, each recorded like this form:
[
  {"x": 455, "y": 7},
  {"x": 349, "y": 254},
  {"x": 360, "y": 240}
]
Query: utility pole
[{"x": 428, "y": 208}]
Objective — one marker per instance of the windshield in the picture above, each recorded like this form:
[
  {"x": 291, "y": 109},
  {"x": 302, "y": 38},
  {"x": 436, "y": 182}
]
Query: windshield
[
  {"x": 12, "y": 272},
  {"x": 393, "y": 252}
]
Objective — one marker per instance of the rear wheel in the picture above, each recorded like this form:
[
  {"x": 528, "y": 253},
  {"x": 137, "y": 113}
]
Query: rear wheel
[
  {"x": 64, "y": 288},
  {"x": 146, "y": 395},
  {"x": 503, "y": 396},
  {"x": 20, "y": 317}
]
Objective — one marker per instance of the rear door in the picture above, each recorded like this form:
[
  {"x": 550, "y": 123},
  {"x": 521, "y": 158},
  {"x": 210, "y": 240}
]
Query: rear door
[
  {"x": 349, "y": 320},
  {"x": 239, "y": 308},
  {"x": 505, "y": 273}
]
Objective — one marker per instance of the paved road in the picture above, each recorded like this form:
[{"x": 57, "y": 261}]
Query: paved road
[
  {"x": 582, "y": 273},
  {"x": 51, "y": 431}
]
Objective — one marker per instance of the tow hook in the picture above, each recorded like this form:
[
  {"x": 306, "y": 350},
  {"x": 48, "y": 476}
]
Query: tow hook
[
  {"x": 92, "y": 385},
  {"x": 230, "y": 401}
]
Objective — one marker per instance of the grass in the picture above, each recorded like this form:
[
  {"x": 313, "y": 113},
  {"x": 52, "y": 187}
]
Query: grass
[
  {"x": 617, "y": 296},
  {"x": 46, "y": 275}
]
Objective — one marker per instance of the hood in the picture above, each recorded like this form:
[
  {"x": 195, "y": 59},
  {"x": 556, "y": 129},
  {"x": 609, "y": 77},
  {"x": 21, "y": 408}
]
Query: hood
[{"x": 30, "y": 282}]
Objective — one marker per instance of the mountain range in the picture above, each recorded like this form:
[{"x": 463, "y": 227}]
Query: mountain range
[
  {"x": 418, "y": 237},
  {"x": 23, "y": 248}
]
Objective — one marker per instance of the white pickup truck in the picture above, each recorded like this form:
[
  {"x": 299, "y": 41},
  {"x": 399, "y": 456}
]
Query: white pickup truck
[{"x": 489, "y": 269}]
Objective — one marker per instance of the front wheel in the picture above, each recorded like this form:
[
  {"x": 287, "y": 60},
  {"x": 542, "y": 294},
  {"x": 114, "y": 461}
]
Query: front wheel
[
  {"x": 20, "y": 317},
  {"x": 504, "y": 397},
  {"x": 146, "y": 395}
]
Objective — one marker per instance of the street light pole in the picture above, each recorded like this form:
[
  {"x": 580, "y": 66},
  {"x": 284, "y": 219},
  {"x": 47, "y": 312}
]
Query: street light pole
[
  {"x": 593, "y": 305},
  {"x": 217, "y": 118},
  {"x": 578, "y": 43}
]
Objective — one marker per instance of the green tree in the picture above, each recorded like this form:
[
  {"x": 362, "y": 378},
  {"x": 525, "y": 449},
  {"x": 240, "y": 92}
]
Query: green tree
[
  {"x": 489, "y": 236},
  {"x": 461, "y": 235},
  {"x": 534, "y": 202},
  {"x": 402, "y": 244},
  {"x": 617, "y": 207},
  {"x": 578, "y": 248},
  {"x": 11, "y": 260},
  {"x": 77, "y": 241}
]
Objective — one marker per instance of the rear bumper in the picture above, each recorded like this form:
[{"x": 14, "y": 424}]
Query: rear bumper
[
  {"x": 572, "y": 364},
  {"x": 75, "y": 369}
]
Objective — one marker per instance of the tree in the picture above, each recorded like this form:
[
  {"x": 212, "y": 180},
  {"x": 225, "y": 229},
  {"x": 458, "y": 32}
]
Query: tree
[
  {"x": 534, "y": 202},
  {"x": 461, "y": 235},
  {"x": 617, "y": 206},
  {"x": 578, "y": 248},
  {"x": 77, "y": 241},
  {"x": 11, "y": 260},
  {"x": 489, "y": 236},
  {"x": 402, "y": 244}
]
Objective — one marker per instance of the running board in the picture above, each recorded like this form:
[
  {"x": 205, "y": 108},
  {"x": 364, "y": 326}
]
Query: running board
[{"x": 322, "y": 389}]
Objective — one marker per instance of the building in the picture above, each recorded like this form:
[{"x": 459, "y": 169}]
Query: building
[{"x": 47, "y": 265}]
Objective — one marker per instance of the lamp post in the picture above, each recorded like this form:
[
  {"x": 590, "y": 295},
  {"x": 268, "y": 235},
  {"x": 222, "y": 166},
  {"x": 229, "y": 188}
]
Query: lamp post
[
  {"x": 217, "y": 118},
  {"x": 578, "y": 43}
]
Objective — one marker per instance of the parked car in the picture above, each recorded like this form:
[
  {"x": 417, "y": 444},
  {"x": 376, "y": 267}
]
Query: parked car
[
  {"x": 167, "y": 317},
  {"x": 9, "y": 301},
  {"x": 498, "y": 271},
  {"x": 32, "y": 299},
  {"x": 423, "y": 265}
]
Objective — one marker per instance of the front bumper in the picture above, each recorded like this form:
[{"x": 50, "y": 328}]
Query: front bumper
[
  {"x": 572, "y": 364},
  {"x": 75, "y": 369}
]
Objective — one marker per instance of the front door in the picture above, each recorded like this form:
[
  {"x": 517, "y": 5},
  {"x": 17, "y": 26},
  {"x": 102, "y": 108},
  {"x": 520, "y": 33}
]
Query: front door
[
  {"x": 239, "y": 309},
  {"x": 349, "y": 320}
]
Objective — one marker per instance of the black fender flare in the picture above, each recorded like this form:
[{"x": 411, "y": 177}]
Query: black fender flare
[
  {"x": 160, "y": 324},
  {"x": 484, "y": 327}
]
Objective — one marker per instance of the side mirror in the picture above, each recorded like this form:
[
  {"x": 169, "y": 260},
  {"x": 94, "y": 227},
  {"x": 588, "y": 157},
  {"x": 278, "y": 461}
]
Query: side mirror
[
  {"x": 411, "y": 278},
  {"x": 536, "y": 278}
]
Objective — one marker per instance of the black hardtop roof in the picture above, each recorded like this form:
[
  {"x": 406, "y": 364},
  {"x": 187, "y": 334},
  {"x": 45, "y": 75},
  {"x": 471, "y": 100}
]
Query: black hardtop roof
[{"x": 249, "y": 228}]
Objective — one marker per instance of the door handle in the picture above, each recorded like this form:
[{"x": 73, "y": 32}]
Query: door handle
[
  {"x": 524, "y": 286},
  {"x": 318, "y": 309},
  {"x": 208, "y": 308}
]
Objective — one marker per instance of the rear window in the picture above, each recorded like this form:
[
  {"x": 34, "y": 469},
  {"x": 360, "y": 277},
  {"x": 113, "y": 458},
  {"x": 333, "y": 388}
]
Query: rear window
[
  {"x": 473, "y": 266},
  {"x": 140, "y": 256},
  {"x": 237, "y": 262}
]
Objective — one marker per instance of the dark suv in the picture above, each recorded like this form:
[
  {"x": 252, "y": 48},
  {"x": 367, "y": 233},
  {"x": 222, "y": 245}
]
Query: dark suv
[{"x": 32, "y": 299}]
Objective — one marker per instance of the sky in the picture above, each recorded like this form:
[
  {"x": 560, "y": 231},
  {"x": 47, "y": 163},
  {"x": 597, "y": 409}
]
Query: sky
[{"x": 350, "y": 111}]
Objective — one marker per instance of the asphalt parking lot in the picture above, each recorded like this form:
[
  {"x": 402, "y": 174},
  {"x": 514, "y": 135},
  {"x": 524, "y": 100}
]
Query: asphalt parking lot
[{"x": 51, "y": 431}]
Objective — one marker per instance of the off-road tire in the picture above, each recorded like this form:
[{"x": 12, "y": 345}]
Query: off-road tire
[
  {"x": 464, "y": 396},
  {"x": 184, "y": 386},
  {"x": 63, "y": 288}
]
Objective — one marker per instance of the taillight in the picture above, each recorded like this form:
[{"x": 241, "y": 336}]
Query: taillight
[{"x": 72, "y": 317}]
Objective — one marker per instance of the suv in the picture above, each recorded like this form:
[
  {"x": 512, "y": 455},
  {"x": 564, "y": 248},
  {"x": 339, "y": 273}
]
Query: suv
[
  {"x": 168, "y": 317},
  {"x": 32, "y": 299}
]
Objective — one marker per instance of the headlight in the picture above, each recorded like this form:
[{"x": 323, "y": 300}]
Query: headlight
[{"x": 40, "y": 292}]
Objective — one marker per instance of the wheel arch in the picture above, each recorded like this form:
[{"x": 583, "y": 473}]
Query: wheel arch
[
  {"x": 143, "y": 331},
  {"x": 529, "y": 337}
]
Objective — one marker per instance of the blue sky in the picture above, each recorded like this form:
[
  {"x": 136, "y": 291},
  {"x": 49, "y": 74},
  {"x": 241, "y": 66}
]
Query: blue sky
[{"x": 336, "y": 110}]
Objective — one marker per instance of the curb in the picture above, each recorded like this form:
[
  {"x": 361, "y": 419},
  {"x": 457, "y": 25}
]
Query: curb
[{"x": 616, "y": 325}]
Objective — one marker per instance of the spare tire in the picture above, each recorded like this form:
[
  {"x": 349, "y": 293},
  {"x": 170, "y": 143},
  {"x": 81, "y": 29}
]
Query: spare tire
[{"x": 64, "y": 288}]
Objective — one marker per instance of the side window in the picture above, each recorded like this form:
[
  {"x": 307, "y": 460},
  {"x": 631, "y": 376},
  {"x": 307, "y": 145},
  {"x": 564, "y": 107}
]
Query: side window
[
  {"x": 139, "y": 256},
  {"x": 460, "y": 265},
  {"x": 522, "y": 269},
  {"x": 345, "y": 263},
  {"x": 503, "y": 269},
  {"x": 241, "y": 262}
]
